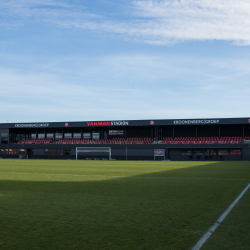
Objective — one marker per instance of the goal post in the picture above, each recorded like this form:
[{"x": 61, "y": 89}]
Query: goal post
[{"x": 93, "y": 150}]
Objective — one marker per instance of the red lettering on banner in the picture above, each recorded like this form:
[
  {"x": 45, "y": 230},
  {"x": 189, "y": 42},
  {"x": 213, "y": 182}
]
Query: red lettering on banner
[{"x": 98, "y": 124}]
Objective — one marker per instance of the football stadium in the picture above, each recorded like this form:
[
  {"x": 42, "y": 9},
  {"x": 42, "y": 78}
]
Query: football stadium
[
  {"x": 175, "y": 140},
  {"x": 175, "y": 184}
]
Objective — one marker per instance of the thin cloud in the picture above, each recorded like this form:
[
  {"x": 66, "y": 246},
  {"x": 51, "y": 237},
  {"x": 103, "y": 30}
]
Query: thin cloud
[
  {"x": 195, "y": 20},
  {"x": 153, "y": 22}
]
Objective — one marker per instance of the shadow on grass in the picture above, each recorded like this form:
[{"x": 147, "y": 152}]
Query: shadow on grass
[{"x": 163, "y": 210}]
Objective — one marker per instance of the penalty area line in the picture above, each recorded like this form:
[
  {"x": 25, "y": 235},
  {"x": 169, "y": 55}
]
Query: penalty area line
[{"x": 218, "y": 222}]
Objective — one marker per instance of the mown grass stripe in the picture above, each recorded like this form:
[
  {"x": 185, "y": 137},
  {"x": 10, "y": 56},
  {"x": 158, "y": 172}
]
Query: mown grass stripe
[
  {"x": 123, "y": 176},
  {"x": 218, "y": 222}
]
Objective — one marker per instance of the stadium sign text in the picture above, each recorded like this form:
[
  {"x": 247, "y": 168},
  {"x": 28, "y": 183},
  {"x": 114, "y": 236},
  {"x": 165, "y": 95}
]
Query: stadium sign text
[
  {"x": 32, "y": 125},
  {"x": 101, "y": 124},
  {"x": 94, "y": 124},
  {"x": 119, "y": 123},
  {"x": 202, "y": 121}
]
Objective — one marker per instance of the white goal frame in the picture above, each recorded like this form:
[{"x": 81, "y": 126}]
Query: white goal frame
[{"x": 93, "y": 149}]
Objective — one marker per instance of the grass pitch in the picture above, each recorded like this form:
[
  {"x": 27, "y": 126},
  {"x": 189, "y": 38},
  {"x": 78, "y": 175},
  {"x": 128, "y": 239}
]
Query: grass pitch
[{"x": 122, "y": 205}]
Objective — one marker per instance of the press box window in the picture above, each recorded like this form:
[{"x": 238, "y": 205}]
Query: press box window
[
  {"x": 33, "y": 136},
  {"x": 77, "y": 135},
  {"x": 96, "y": 136},
  {"x": 87, "y": 135},
  {"x": 68, "y": 135},
  {"x": 50, "y": 136},
  {"x": 41, "y": 136},
  {"x": 59, "y": 135}
]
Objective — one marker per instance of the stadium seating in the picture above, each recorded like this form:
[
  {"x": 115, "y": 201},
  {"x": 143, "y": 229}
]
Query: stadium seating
[
  {"x": 201, "y": 140},
  {"x": 130, "y": 140},
  {"x": 139, "y": 140},
  {"x": 36, "y": 141}
]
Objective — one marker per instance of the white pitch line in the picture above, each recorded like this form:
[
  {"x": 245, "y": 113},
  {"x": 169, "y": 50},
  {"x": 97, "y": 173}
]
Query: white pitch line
[
  {"x": 121, "y": 176},
  {"x": 218, "y": 222}
]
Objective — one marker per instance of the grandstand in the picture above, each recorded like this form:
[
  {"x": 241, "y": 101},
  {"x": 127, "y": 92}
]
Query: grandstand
[{"x": 181, "y": 139}]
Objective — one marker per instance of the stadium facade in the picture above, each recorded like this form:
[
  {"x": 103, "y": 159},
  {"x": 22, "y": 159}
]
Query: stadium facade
[{"x": 169, "y": 139}]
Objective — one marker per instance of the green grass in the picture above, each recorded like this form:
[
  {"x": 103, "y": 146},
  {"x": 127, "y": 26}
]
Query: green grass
[{"x": 122, "y": 205}]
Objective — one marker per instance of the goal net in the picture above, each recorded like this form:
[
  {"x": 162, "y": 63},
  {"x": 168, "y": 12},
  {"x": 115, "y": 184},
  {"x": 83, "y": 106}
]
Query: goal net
[{"x": 93, "y": 151}]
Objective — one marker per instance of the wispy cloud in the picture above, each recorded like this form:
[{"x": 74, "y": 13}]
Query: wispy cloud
[
  {"x": 155, "y": 22},
  {"x": 196, "y": 20}
]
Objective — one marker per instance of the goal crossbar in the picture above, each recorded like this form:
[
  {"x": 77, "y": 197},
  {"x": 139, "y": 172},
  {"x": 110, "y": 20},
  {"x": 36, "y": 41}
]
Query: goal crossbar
[{"x": 93, "y": 150}]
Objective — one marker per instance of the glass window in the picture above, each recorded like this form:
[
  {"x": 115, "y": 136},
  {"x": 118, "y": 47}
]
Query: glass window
[
  {"x": 235, "y": 152},
  {"x": 59, "y": 135},
  {"x": 68, "y": 135},
  {"x": 116, "y": 132},
  {"x": 4, "y": 138},
  {"x": 48, "y": 151},
  {"x": 21, "y": 151},
  {"x": 4, "y": 135},
  {"x": 58, "y": 151},
  {"x": 186, "y": 152},
  {"x": 4, "y": 151},
  {"x": 33, "y": 136},
  {"x": 222, "y": 152},
  {"x": 67, "y": 151},
  {"x": 12, "y": 151},
  {"x": 22, "y": 137},
  {"x": 17, "y": 137},
  {"x": 50, "y": 135},
  {"x": 96, "y": 136},
  {"x": 210, "y": 152},
  {"x": 198, "y": 152},
  {"x": 41, "y": 136},
  {"x": 77, "y": 135},
  {"x": 86, "y": 135}
]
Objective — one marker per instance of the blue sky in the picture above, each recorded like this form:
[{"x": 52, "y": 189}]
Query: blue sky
[{"x": 122, "y": 60}]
